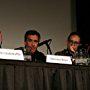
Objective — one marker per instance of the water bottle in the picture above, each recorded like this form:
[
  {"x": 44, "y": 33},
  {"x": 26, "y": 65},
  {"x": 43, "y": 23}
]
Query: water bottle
[
  {"x": 27, "y": 55},
  {"x": 81, "y": 57}
]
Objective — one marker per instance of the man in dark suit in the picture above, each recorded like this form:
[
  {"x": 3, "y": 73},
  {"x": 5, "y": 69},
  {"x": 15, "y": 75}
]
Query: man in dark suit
[
  {"x": 31, "y": 41},
  {"x": 73, "y": 43}
]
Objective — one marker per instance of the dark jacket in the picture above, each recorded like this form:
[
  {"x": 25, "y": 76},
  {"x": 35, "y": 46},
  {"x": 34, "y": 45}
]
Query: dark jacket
[
  {"x": 35, "y": 57},
  {"x": 65, "y": 52}
]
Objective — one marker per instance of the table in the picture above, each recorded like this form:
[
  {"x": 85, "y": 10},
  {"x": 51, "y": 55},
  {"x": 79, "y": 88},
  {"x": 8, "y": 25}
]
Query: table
[{"x": 25, "y": 75}]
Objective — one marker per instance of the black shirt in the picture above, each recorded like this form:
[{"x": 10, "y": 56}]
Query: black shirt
[{"x": 35, "y": 57}]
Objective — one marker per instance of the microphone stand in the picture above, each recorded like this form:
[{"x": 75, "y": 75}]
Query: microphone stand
[{"x": 48, "y": 47}]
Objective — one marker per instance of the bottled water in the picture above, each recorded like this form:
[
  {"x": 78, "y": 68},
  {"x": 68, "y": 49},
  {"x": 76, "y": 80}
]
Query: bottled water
[{"x": 81, "y": 57}]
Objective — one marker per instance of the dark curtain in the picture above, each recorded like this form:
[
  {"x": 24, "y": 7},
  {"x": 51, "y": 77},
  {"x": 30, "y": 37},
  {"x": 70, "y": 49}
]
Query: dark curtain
[
  {"x": 83, "y": 20},
  {"x": 18, "y": 75}
]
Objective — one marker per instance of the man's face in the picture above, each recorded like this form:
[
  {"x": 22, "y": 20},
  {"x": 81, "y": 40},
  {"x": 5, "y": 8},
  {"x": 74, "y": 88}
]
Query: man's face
[
  {"x": 31, "y": 43},
  {"x": 73, "y": 43}
]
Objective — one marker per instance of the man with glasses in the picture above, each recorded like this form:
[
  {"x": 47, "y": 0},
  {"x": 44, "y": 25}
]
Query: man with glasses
[
  {"x": 73, "y": 43},
  {"x": 31, "y": 41}
]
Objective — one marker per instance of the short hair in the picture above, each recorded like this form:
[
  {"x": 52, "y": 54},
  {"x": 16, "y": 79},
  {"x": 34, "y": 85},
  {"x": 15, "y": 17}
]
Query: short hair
[
  {"x": 71, "y": 34},
  {"x": 32, "y": 32}
]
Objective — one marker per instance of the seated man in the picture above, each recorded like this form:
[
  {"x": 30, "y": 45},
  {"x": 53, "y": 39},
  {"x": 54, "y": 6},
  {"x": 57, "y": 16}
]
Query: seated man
[
  {"x": 31, "y": 41},
  {"x": 73, "y": 43}
]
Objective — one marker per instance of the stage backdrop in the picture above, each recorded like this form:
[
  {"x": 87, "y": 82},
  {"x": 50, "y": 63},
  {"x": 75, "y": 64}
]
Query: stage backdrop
[{"x": 54, "y": 19}]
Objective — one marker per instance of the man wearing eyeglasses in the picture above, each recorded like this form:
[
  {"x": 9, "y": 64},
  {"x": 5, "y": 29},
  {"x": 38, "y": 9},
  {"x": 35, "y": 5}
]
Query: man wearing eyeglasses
[{"x": 73, "y": 43}]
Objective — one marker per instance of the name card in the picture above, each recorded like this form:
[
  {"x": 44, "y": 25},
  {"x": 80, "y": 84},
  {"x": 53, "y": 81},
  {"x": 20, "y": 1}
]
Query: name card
[
  {"x": 11, "y": 54},
  {"x": 58, "y": 59}
]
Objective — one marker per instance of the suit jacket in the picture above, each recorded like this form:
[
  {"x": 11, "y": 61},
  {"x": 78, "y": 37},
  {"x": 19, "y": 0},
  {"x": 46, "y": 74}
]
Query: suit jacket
[
  {"x": 65, "y": 52},
  {"x": 35, "y": 57}
]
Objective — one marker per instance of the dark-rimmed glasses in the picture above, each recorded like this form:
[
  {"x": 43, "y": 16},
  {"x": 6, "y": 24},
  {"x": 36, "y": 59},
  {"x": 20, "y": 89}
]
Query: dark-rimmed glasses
[{"x": 74, "y": 42}]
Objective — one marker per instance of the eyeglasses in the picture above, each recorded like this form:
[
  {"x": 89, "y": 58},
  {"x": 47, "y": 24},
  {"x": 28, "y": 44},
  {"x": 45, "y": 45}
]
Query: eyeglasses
[{"x": 74, "y": 42}]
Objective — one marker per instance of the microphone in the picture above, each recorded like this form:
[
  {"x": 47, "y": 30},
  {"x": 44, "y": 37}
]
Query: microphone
[{"x": 44, "y": 42}]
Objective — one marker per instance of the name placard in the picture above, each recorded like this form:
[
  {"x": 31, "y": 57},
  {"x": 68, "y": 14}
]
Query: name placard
[
  {"x": 11, "y": 54},
  {"x": 58, "y": 59}
]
